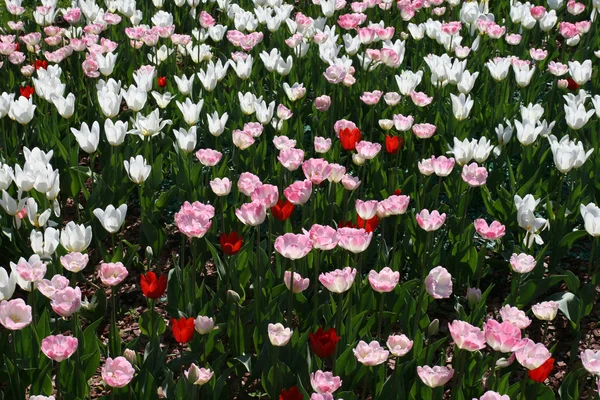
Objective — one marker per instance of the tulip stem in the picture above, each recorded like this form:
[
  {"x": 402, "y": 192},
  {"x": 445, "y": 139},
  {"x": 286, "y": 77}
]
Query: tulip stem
[
  {"x": 316, "y": 290},
  {"x": 57, "y": 382},
  {"x": 592, "y": 277},
  {"x": 380, "y": 317},
  {"x": 515, "y": 288},
  {"x": 16, "y": 372},
  {"x": 492, "y": 376},
  {"x": 291, "y": 302},
  {"x": 366, "y": 384},
  {"x": 77, "y": 360}
]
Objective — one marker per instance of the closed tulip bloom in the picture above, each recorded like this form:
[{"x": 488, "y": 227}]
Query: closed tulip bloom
[
  {"x": 323, "y": 237},
  {"x": 325, "y": 382},
  {"x": 298, "y": 192},
  {"x": 491, "y": 395},
  {"x": 426, "y": 166},
  {"x": 523, "y": 72},
  {"x": 580, "y": 72},
  {"x": 591, "y": 361},
  {"x": 49, "y": 287},
  {"x": 339, "y": 280},
  {"x": 183, "y": 329},
  {"x": 7, "y": 284},
  {"x": 111, "y": 274},
  {"x": 442, "y": 166},
  {"x": 545, "y": 311},
  {"x": 137, "y": 169},
  {"x": 532, "y": 355},
  {"x": 221, "y": 187},
  {"x": 474, "y": 175},
  {"x": 322, "y": 103},
  {"x": 439, "y": 283},
  {"x": 568, "y": 154},
  {"x": 321, "y": 144},
  {"x": 209, "y": 157},
  {"x": 424, "y": 131},
  {"x": 194, "y": 219},
  {"x": 499, "y": 68},
  {"x": 21, "y": 110},
  {"x": 515, "y": 317},
  {"x": 522, "y": 263},
  {"x": 466, "y": 336},
  {"x": 198, "y": 376},
  {"x": 430, "y": 221},
  {"x": 115, "y": 131},
  {"x": 591, "y": 218},
  {"x": 242, "y": 139},
  {"x": 111, "y": 218},
  {"x": 366, "y": 209},
  {"x": 367, "y": 150},
  {"x": 252, "y": 214},
  {"x": 297, "y": 284},
  {"x": 204, "y": 325},
  {"x": 370, "y": 354},
  {"x": 577, "y": 116},
  {"x": 278, "y": 335},
  {"x": 75, "y": 238},
  {"x": 15, "y": 314},
  {"x": 248, "y": 183},
  {"x": 135, "y": 97},
  {"x": 153, "y": 287},
  {"x": 436, "y": 376},
  {"x": 190, "y": 110},
  {"x": 293, "y": 246},
  {"x": 402, "y": 123},
  {"x": 385, "y": 280},
  {"x": 399, "y": 345},
  {"x": 87, "y": 138},
  {"x": 118, "y": 372},
  {"x": 59, "y": 347},
  {"x": 494, "y": 231},
  {"x": 186, "y": 139},
  {"x": 64, "y": 106},
  {"x": 337, "y": 173},
  {"x": 354, "y": 240},
  {"x": 216, "y": 124},
  {"x": 230, "y": 244},
  {"x": 461, "y": 106},
  {"x": 473, "y": 296},
  {"x": 393, "y": 205}
]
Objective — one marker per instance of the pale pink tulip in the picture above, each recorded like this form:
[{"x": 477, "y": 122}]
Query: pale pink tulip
[
  {"x": 436, "y": 376},
  {"x": 370, "y": 354},
  {"x": 278, "y": 335},
  {"x": 316, "y": 170},
  {"x": 420, "y": 99},
  {"x": 74, "y": 262},
  {"x": 474, "y": 175},
  {"x": 322, "y": 103},
  {"x": 350, "y": 182},
  {"x": 442, "y": 166},
  {"x": 424, "y": 131},
  {"x": 49, "y": 287},
  {"x": 209, "y": 157},
  {"x": 532, "y": 355},
  {"x": 298, "y": 192},
  {"x": 354, "y": 240},
  {"x": 268, "y": 194},
  {"x": 385, "y": 280},
  {"x": 393, "y": 205},
  {"x": 252, "y": 214},
  {"x": 325, "y": 382},
  {"x": 430, "y": 221},
  {"x": 503, "y": 337},
  {"x": 426, "y": 166},
  {"x": 439, "y": 283},
  {"x": 111, "y": 274},
  {"x": 492, "y": 232},
  {"x": 283, "y": 143},
  {"x": 248, "y": 182},
  {"x": 545, "y": 311},
  {"x": 296, "y": 285},
  {"x": 291, "y": 159},
  {"x": 293, "y": 246},
  {"x": 221, "y": 187},
  {"x": 59, "y": 347},
  {"x": 15, "y": 314},
  {"x": 367, "y": 150},
  {"x": 198, "y": 376},
  {"x": 466, "y": 336},
  {"x": 322, "y": 145},
  {"x": 204, "y": 325},
  {"x": 522, "y": 263},
  {"x": 323, "y": 237},
  {"x": 366, "y": 209},
  {"x": 339, "y": 280},
  {"x": 591, "y": 361},
  {"x": 195, "y": 219},
  {"x": 399, "y": 345},
  {"x": 515, "y": 316},
  {"x": 490, "y": 395},
  {"x": 117, "y": 372},
  {"x": 67, "y": 301}
]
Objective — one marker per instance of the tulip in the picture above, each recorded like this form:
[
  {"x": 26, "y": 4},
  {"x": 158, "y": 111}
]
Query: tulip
[
  {"x": 153, "y": 287},
  {"x": 298, "y": 192},
  {"x": 461, "y": 106},
  {"x": 323, "y": 343},
  {"x": 252, "y": 214},
  {"x": 86, "y": 138},
  {"x": 325, "y": 382},
  {"x": 221, "y": 187},
  {"x": 370, "y": 354},
  {"x": 591, "y": 218},
  {"x": 545, "y": 311},
  {"x": 532, "y": 355},
  {"x": 323, "y": 237},
  {"x": 7, "y": 284},
  {"x": 591, "y": 361},
  {"x": 568, "y": 154},
  {"x": 118, "y": 372},
  {"x": 399, "y": 345},
  {"x": 474, "y": 175},
  {"x": 111, "y": 274},
  {"x": 49, "y": 287},
  {"x": 439, "y": 283},
  {"x": 209, "y": 157},
  {"x": 230, "y": 244},
  {"x": 466, "y": 336},
  {"x": 491, "y": 395},
  {"x": 354, "y": 240},
  {"x": 436, "y": 376},
  {"x": 430, "y": 221},
  {"x": 186, "y": 139},
  {"x": 349, "y": 138},
  {"x": 204, "y": 325},
  {"x": 293, "y": 246},
  {"x": 292, "y": 393},
  {"x": 385, "y": 281},
  {"x": 198, "y": 376},
  {"x": 115, "y": 131},
  {"x": 283, "y": 209},
  {"x": 541, "y": 373},
  {"x": 21, "y": 110},
  {"x": 515, "y": 317},
  {"x": 74, "y": 262},
  {"x": 494, "y": 231},
  {"x": 195, "y": 219},
  {"x": 183, "y": 329},
  {"x": 15, "y": 314},
  {"x": 59, "y": 347},
  {"x": 278, "y": 335},
  {"x": 111, "y": 218},
  {"x": 338, "y": 281},
  {"x": 473, "y": 296},
  {"x": 297, "y": 284},
  {"x": 503, "y": 337},
  {"x": 137, "y": 169}
]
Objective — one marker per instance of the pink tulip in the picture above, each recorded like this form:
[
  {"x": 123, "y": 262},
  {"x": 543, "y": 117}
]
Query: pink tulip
[
  {"x": 490, "y": 395},
  {"x": 522, "y": 263},
  {"x": 420, "y": 99},
  {"x": 291, "y": 159},
  {"x": 67, "y": 301},
  {"x": 557, "y": 68},
  {"x": 298, "y": 192},
  {"x": 195, "y": 219},
  {"x": 316, "y": 170},
  {"x": 321, "y": 396},
  {"x": 399, "y": 345},
  {"x": 117, "y": 372},
  {"x": 367, "y": 150},
  {"x": 323, "y": 237},
  {"x": 74, "y": 262},
  {"x": 392, "y": 98},
  {"x": 354, "y": 240},
  {"x": 466, "y": 336},
  {"x": 325, "y": 382},
  {"x": 337, "y": 173},
  {"x": 370, "y": 354},
  {"x": 436, "y": 376},
  {"x": 111, "y": 274},
  {"x": 209, "y": 157},
  {"x": 198, "y": 376},
  {"x": 252, "y": 214},
  {"x": 426, "y": 166},
  {"x": 393, "y": 205},
  {"x": 49, "y": 287},
  {"x": 278, "y": 335},
  {"x": 15, "y": 314},
  {"x": 537, "y": 12},
  {"x": 248, "y": 182},
  {"x": 59, "y": 347},
  {"x": 403, "y": 123},
  {"x": 339, "y": 280},
  {"x": 591, "y": 361},
  {"x": 503, "y": 337},
  {"x": 366, "y": 209},
  {"x": 350, "y": 182},
  {"x": 492, "y": 232},
  {"x": 322, "y": 103},
  {"x": 371, "y": 98},
  {"x": 545, "y": 311},
  {"x": 430, "y": 221},
  {"x": 474, "y": 175},
  {"x": 32, "y": 270},
  {"x": 298, "y": 284},
  {"x": 253, "y": 129},
  {"x": 532, "y": 355},
  {"x": 283, "y": 143},
  {"x": 442, "y": 166},
  {"x": 515, "y": 316},
  {"x": 343, "y": 124},
  {"x": 268, "y": 194},
  {"x": 293, "y": 246},
  {"x": 424, "y": 131},
  {"x": 439, "y": 283},
  {"x": 221, "y": 187},
  {"x": 322, "y": 145},
  {"x": 384, "y": 281}
]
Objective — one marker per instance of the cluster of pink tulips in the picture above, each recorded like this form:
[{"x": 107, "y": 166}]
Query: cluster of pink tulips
[{"x": 321, "y": 199}]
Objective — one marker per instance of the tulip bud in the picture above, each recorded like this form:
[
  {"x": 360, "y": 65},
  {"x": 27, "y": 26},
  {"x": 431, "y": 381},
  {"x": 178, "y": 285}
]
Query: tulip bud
[
  {"x": 233, "y": 296},
  {"x": 563, "y": 83},
  {"x": 130, "y": 356},
  {"x": 386, "y": 124},
  {"x": 149, "y": 252},
  {"x": 473, "y": 296},
  {"x": 433, "y": 327},
  {"x": 357, "y": 160}
]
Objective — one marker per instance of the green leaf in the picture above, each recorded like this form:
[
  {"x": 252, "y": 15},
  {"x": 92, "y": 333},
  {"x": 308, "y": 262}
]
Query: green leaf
[{"x": 569, "y": 305}]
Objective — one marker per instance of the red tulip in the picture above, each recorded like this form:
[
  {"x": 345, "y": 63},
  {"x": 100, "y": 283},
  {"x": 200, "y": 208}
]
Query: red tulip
[
  {"x": 43, "y": 64},
  {"x": 393, "y": 143},
  {"x": 162, "y": 81},
  {"x": 323, "y": 342},
  {"x": 349, "y": 138},
  {"x": 183, "y": 329},
  {"x": 153, "y": 287},
  {"x": 230, "y": 244},
  {"x": 26, "y": 91},
  {"x": 282, "y": 210},
  {"x": 397, "y": 192},
  {"x": 292, "y": 394},
  {"x": 572, "y": 84},
  {"x": 368, "y": 225},
  {"x": 540, "y": 374}
]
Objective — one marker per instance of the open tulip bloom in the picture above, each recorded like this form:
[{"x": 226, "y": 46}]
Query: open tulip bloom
[{"x": 323, "y": 200}]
